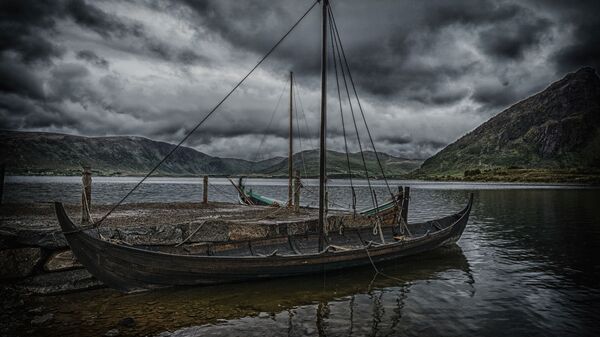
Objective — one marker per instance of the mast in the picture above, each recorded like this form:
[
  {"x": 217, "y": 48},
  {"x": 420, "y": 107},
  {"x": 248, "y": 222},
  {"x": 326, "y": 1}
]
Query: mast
[
  {"x": 291, "y": 147},
  {"x": 323, "y": 133}
]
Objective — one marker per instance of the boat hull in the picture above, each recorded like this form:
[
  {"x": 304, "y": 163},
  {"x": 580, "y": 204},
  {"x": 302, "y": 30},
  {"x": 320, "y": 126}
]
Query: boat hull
[{"x": 128, "y": 268}]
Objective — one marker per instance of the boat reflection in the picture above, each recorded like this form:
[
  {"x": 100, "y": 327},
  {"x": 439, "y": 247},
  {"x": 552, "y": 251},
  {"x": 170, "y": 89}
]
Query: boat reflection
[{"x": 352, "y": 302}]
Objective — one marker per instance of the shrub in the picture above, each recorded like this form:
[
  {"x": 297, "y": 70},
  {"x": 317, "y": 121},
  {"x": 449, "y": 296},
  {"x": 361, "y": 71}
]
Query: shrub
[{"x": 474, "y": 172}]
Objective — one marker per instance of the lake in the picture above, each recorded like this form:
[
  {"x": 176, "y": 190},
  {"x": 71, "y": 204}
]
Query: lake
[{"x": 526, "y": 265}]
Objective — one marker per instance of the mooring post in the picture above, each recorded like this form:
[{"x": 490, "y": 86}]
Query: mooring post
[
  {"x": 399, "y": 201},
  {"x": 405, "y": 200},
  {"x": 86, "y": 195},
  {"x": 297, "y": 187},
  {"x": 205, "y": 190},
  {"x": 2, "y": 170}
]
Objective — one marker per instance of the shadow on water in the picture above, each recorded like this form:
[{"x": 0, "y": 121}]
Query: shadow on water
[{"x": 332, "y": 303}]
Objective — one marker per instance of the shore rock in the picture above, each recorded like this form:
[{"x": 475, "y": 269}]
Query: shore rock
[
  {"x": 62, "y": 261},
  {"x": 14, "y": 234},
  {"x": 38, "y": 320},
  {"x": 60, "y": 282},
  {"x": 20, "y": 262},
  {"x": 112, "y": 333}
]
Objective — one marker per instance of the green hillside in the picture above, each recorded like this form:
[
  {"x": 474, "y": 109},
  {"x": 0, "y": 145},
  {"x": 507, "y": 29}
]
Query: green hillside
[
  {"x": 555, "y": 132},
  {"x": 38, "y": 153},
  {"x": 337, "y": 164}
]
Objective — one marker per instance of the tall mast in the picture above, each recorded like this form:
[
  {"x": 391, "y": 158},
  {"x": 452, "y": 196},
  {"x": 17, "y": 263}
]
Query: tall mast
[
  {"x": 323, "y": 133},
  {"x": 291, "y": 148}
]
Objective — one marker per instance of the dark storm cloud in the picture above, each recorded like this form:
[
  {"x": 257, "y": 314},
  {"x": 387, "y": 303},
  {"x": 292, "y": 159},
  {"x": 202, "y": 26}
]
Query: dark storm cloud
[
  {"x": 92, "y": 58},
  {"x": 95, "y": 19},
  {"x": 584, "y": 51},
  {"x": 512, "y": 40},
  {"x": 18, "y": 79},
  {"x": 24, "y": 28},
  {"x": 584, "y": 48},
  {"x": 427, "y": 72},
  {"x": 494, "y": 95}
]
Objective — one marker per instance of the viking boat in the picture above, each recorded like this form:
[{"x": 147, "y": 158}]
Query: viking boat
[{"x": 129, "y": 268}]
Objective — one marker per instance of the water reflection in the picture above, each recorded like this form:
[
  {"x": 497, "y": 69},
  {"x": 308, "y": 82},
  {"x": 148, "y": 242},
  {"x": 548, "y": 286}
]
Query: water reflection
[{"x": 355, "y": 302}]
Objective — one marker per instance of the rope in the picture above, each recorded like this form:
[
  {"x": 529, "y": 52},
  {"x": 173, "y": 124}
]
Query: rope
[
  {"x": 262, "y": 141},
  {"x": 378, "y": 220},
  {"x": 86, "y": 206},
  {"x": 377, "y": 271},
  {"x": 297, "y": 89},
  {"x": 299, "y": 133},
  {"x": 193, "y": 233},
  {"x": 223, "y": 192},
  {"x": 337, "y": 48},
  {"x": 343, "y": 126},
  {"x": 208, "y": 115},
  {"x": 335, "y": 28}
]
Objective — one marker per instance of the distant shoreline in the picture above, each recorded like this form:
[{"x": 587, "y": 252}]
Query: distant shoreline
[{"x": 578, "y": 181}]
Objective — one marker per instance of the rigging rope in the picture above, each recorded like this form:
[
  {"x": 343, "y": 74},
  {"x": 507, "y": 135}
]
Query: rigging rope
[
  {"x": 335, "y": 28},
  {"x": 308, "y": 133},
  {"x": 299, "y": 132},
  {"x": 207, "y": 115},
  {"x": 262, "y": 141},
  {"x": 343, "y": 124},
  {"x": 223, "y": 193},
  {"x": 337, "y": 43}
]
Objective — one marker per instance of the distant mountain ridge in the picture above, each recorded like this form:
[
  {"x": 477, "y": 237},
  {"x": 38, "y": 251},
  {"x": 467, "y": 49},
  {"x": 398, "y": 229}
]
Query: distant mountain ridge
[
  {"x": 40, "y": 153},
  {"x": 556, "y": 129}
]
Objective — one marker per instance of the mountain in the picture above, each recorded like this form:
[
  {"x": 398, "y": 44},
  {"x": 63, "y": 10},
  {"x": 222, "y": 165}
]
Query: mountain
[
  {"x": 557, "y": 130},
  {"x": 39, "y": 153},
  {"x": 337, "y": 164}
]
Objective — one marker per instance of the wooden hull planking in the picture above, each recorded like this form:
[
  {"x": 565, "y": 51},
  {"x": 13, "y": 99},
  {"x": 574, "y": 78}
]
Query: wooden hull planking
[{"x": 129, "y": 268}]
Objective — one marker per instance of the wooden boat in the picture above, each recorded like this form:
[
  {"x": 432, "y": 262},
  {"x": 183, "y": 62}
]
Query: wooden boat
[
  {"x": 129, "y": 268},
  {"x": 387, "y": 212}
]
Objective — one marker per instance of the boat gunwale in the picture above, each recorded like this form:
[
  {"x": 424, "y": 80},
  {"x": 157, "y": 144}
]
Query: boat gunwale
[{"x": 326, "y": 252}]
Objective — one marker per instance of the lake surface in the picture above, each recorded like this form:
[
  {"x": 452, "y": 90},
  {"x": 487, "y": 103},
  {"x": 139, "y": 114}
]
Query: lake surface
[{"x": 526, "y": 265}]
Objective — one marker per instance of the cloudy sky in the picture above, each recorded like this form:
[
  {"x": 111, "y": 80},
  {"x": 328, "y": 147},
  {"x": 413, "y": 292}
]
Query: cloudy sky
[{"x": 427, "y": 71}]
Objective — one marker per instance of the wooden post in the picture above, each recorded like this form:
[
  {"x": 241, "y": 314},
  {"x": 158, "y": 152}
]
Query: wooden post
[
  {"x": 86, "y": 195},
  {"x": 205, "y": 190},
  {"x": 405, "y": 200},
  {"x": 291, "y": 145},
  {"x": 2, "y": 170},
  {"x": 323, "y": 130},
  {"x": 297, "y": 187},
  {"x": 399, "y": 201}
]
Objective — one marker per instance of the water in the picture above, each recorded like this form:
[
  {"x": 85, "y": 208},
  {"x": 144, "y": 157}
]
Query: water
[{"x": 527, "y": 265}]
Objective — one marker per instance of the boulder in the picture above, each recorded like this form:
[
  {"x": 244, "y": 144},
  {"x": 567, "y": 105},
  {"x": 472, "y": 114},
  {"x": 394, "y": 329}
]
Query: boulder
[
  {"x": 14, "y": 234},
  {"x": 112, "y": 333},
  {"x": 59, "y": 282},
  {"x": 42, "y": 319},
  {"x": 59, "y": 261},
  {"x": 19, "y": 262}
]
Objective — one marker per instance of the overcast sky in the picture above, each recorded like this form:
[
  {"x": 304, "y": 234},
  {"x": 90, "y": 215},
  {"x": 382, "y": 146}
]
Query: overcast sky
[{"x": 427, "y": 71}]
